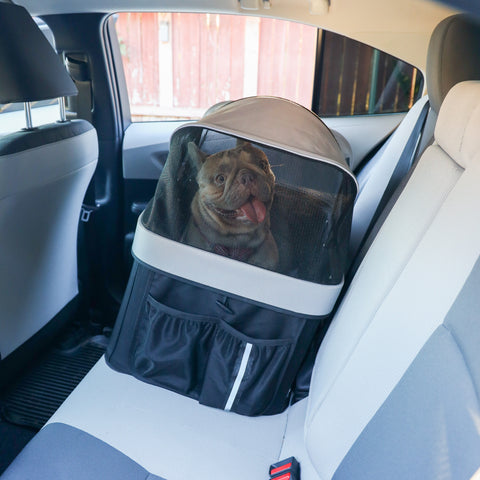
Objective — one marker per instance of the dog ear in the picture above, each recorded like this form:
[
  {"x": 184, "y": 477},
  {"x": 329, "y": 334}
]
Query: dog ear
[
  {"x": 242, "y": 143},
  {"x": 197, "y": 157}
]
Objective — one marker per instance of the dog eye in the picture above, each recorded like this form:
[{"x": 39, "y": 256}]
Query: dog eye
[
  {"x": 264, "y": 165},
  {"x": 220, "y": 178}
]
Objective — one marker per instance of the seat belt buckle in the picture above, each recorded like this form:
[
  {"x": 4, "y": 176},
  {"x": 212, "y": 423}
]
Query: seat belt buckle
[{"x": 288, "y": 469}]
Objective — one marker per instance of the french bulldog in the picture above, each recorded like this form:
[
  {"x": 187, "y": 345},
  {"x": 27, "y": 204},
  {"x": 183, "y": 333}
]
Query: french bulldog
[{"x": 230, "y": 212}]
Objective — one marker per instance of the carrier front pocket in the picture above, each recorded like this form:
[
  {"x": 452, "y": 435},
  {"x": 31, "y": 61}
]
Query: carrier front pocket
[
  {"x": 224, "y": 351},
  {"x": 172, "y": 348},
  {"x": 245, "y": 375}
]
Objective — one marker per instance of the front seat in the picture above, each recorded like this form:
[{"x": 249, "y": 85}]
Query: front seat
[{"x": 44, "y": 173}]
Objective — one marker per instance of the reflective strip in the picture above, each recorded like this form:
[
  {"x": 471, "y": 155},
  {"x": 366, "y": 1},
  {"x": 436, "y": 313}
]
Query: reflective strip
[{"x": 240, "y": 375}]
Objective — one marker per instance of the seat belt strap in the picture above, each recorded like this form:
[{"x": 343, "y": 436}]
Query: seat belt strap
[
  {"x": 392, "y": 191},
  {"x": 404, "y": 163}
]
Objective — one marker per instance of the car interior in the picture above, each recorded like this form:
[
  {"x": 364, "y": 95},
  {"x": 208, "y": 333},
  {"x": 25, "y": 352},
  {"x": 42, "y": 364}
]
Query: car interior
[{"x": 239, "y": 239}]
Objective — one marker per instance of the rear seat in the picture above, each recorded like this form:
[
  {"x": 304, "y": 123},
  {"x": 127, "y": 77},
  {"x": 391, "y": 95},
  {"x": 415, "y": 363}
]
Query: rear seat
[{"x": 396, "y": 382}]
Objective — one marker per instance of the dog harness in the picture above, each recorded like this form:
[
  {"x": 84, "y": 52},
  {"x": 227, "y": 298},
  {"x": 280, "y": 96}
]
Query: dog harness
[{"x": 237, "y": 253}]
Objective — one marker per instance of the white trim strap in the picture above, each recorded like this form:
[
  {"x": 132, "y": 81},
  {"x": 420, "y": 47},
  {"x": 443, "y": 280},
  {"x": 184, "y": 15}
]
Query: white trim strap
[{"x": 232, "y": 276}]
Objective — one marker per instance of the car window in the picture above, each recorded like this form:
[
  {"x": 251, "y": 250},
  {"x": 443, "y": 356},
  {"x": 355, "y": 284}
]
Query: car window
[
  {"x": 356, "y": 79},
  {"x": 177, "y": 65}
]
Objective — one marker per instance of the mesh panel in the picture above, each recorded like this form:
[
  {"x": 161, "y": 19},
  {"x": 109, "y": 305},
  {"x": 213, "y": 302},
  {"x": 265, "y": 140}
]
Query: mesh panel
[{"x": 256, "y": 203}]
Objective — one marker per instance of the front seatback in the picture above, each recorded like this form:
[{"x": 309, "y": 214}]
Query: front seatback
[
  {"x": 395, "y": 387},
  {"x": 44, "y": 173},
  {"x": 42, "y": 185}
]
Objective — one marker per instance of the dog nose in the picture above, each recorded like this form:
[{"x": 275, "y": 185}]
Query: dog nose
[{"x": 246, "y": 178}]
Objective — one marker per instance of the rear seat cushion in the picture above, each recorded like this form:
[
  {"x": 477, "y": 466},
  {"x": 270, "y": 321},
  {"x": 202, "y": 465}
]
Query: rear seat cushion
[{"x": 171, "y": 435}]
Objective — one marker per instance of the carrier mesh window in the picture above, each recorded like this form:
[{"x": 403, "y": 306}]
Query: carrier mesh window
[{"x": 262, "y": 181}]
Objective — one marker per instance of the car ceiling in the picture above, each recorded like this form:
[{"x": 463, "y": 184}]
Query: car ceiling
[{"x": 399, "y": 27}]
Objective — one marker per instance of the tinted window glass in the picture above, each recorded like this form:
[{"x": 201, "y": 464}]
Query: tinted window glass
[{"x": 357, "y": 80}]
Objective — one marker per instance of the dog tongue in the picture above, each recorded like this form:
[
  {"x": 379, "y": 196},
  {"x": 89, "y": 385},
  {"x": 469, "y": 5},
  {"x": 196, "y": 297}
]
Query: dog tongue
[{"x": 254, "y": 210}]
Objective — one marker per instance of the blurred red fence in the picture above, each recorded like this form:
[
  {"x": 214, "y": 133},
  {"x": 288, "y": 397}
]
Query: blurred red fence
[
  {"x": 179, "y": 64},
  {"x": 192, "y": 61}
]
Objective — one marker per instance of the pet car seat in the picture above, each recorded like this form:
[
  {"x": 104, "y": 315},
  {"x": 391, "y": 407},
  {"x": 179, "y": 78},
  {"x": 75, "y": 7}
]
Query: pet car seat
[{"x": 222, "y": 330}]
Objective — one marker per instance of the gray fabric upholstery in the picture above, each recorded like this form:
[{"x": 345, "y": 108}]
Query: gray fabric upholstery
[
  {"x": 62, "y": 452},
  {"x": 427, "y": 427},
  {"x": 171, "y": 435},
  {"x": 463, "y": 322},
  {"x": 453, "y": 57},
  {"x": 44, "y": 174}
]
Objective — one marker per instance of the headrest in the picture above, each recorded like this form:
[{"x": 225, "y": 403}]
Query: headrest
[
  {"x": 453, "y": 56},
  {"x": 458, "y": 125},
  {"x": 31, "y": 70}
]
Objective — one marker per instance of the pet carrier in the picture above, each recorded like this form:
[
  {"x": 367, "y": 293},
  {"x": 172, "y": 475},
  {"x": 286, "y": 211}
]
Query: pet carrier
[{"x": 239, "y": 257}]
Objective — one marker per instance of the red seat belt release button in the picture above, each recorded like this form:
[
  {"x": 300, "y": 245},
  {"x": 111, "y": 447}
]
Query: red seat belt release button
[{"x": 288, "y": 469}]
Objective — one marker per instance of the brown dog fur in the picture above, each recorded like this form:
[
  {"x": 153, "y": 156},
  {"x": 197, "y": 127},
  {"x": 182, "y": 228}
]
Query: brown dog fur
[{"x": 231, "y": 209}]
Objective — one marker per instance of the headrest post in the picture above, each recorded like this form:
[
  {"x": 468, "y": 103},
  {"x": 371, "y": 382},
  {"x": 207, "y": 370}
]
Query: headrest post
[
  {"x": 28, "y": 115},
  {"x": 61, "y": 104}
]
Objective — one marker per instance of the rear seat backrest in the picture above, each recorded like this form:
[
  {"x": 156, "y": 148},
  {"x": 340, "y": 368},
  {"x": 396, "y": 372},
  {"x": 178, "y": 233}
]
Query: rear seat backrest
[{"x": 394, "y": 388}]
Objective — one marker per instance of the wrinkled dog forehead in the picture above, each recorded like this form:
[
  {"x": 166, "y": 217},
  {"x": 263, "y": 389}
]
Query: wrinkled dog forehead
[
  {"x": 236, "y": 159},
  {"x": 243, "y": 156},
  {"x": 246, "y": 153},
  {"x": 230, "y": 160}
]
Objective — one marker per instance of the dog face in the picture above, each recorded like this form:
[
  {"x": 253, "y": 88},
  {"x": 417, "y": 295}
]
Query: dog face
[{"x": 235, "y": 189}]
